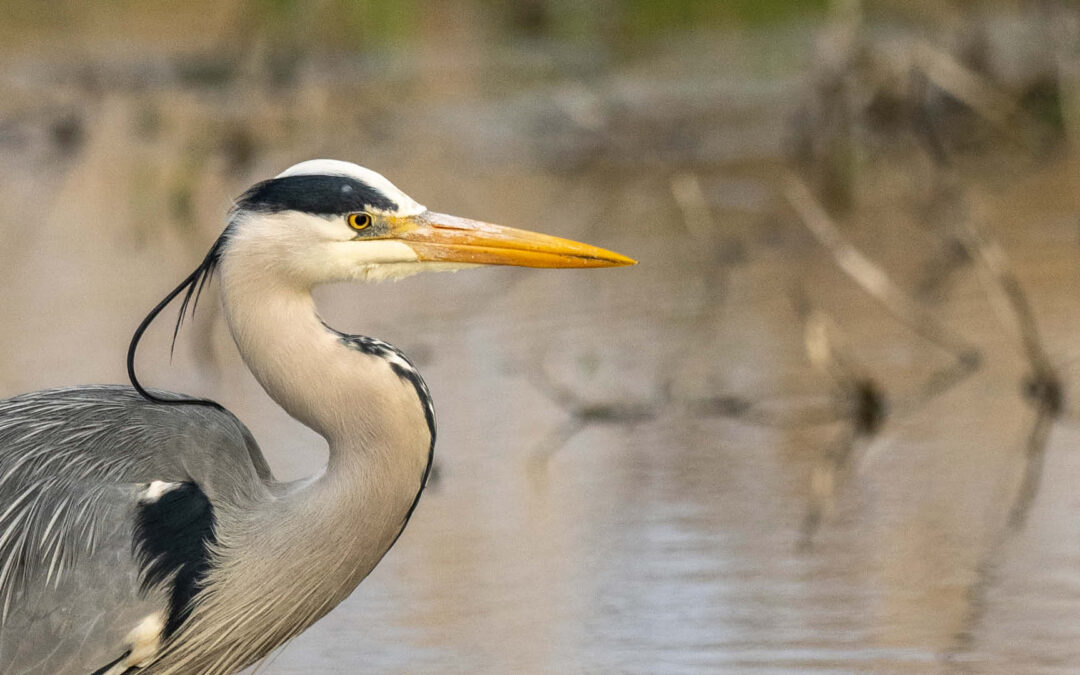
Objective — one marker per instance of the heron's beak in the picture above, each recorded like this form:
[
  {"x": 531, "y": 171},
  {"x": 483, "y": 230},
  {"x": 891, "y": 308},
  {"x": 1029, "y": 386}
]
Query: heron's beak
[{"x": 442, "y": 238}]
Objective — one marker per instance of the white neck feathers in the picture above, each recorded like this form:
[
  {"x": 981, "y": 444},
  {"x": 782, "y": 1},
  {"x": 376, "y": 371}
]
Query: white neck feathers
[{"x": 289, "y": 559}]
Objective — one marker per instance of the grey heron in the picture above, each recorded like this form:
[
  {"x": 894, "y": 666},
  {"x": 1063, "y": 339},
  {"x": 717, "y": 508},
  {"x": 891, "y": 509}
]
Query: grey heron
[{"x": 143, "y": 531}]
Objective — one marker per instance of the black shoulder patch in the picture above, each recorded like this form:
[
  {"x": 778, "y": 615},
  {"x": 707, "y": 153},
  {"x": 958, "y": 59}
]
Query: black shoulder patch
[
  {"x": 171, "y": 542},
  {"x": 316, "y": 194}
]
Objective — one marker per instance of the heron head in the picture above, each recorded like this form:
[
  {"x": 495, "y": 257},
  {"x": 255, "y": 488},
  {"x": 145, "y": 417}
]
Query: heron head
[{"x": 326, "y": 220}]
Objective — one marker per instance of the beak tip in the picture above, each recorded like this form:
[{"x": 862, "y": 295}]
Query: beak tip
[{"x": 614, "y": 259}]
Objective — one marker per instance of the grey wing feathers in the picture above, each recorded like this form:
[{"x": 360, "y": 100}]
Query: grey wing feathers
[
  {"x": 72, "y": 463},
  {"x": 45, "y": 528},
  {"x": 111, "y": 434},
  {"x": 66, "y": 619}
]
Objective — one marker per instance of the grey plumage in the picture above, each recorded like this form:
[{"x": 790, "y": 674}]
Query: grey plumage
[{"x": 72, "y": 465}]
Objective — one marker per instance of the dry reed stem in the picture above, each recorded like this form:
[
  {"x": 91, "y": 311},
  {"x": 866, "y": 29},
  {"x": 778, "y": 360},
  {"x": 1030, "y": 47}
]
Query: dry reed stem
[
  {"x": 1044, "y": 383},
  {"x": 966, "y": 86},
  {"x": 869, "y": 276},
  {"x": 584, "y": 413},
  {"x": 1006, "y": 294},
  {"x": 1009, "y": 301},
  {"x": 1017, "y": 517},
  {"x": 830, "y": 353},
  {"x": 1035, "y": 458}
]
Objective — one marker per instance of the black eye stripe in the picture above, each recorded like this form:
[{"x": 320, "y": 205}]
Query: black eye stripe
[{"x": 316, "y": 194}]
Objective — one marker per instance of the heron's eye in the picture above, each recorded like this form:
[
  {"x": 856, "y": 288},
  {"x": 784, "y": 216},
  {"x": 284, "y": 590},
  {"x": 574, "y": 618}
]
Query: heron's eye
[{"x": 359, "y": 221}]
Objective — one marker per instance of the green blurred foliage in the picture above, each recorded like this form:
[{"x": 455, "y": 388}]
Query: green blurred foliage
[
  {"x": 342, "y": 24},
  {"x": 361, "y": 25}
]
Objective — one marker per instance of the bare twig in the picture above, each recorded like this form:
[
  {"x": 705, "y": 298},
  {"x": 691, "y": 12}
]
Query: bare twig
[
  {"x": 1017, "y": 516},
  {"x": 825, "y": 477},
  {"x": 584, "y": 413},
  {"x": 595, "y": 411},
  {"x": 776, "y": 413},
  {"x": 870, "y": 276},
  {"x": 857, "y": 393},
  {"x": 541, "y": 455},
  {"x": 967, "y": 86},
  {"x": 1043, "y": 385},
  {"x": 877, "y": 283},
  {"x": 1035, "y": 457},
  {"x": 1007, "y": 296}
]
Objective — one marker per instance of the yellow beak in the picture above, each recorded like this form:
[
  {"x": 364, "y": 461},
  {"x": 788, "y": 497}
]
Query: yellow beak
[{"x": 443, "y": 238}]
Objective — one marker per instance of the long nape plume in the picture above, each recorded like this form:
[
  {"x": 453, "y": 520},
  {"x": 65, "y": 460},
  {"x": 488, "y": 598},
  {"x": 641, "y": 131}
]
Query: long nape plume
[{"x": 192, "y": 288}]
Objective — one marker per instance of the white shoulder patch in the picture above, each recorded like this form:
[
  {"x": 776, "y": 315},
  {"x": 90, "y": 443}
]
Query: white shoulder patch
[
  {"x": 156, "y": 488},
  {"x": 334, "y": 167},
  {"x": 143, "y": 642}
]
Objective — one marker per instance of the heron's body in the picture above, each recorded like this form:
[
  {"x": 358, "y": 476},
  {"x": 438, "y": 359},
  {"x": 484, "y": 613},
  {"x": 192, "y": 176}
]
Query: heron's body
[{"x": 146, "y": 533}]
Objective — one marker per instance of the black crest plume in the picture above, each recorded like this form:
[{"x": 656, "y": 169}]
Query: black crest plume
[{"x": 191, "y": 288}]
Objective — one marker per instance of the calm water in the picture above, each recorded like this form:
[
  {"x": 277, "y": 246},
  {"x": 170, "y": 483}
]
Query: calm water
[{"x": 662, "y": 543}]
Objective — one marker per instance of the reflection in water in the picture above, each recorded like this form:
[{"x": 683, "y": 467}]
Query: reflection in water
[{"x": 604, "y": 504}]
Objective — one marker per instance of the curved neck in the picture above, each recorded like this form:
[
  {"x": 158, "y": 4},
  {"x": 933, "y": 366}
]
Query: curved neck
[
  {"x": 314, "y": 541},
  {"x": 357, "y": 401},
  {"x": 290, "y": 352}
]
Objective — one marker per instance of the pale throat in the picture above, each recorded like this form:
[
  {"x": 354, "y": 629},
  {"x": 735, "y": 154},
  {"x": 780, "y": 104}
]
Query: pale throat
[{"x": 301, "y": 363}]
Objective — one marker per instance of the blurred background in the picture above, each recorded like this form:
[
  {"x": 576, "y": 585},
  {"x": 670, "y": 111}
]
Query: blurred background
[{"x": 826, "y": 423}]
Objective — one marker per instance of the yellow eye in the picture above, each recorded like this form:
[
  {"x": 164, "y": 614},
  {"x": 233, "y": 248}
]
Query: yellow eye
[{"x": 359, "y": 221}]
